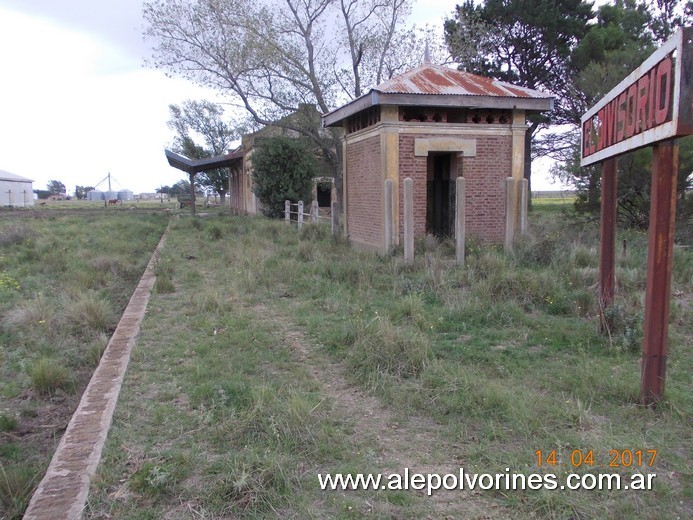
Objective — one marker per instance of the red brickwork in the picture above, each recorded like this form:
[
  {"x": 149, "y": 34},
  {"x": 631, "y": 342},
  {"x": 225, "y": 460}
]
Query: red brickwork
[
  {"x": 364, "y": 192},
  {"x": 485, "y": 174},
  {"x": 485, "y": 177},
  {"x": 414, "y": 167}
]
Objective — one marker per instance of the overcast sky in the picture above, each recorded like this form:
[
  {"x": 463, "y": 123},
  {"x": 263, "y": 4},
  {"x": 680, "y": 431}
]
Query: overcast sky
[{"x": 77, "y": 103}]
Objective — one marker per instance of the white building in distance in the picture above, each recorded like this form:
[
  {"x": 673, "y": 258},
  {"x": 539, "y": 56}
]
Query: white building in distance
[{"x": 15, "y": 191}]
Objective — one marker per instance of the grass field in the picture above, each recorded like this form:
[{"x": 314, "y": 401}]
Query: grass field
[
  {"x": 64, "y": 282},
  {"x": 270, "y": 355}
]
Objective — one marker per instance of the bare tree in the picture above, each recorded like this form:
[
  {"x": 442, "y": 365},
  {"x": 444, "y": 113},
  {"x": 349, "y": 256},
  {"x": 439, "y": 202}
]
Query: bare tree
[{"x": 273, "y": 56}]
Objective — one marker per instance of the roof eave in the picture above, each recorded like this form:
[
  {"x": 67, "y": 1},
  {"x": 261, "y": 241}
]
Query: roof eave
[
  {"x": 543, "y": 104},
  {"x": 193, "y": 166}
]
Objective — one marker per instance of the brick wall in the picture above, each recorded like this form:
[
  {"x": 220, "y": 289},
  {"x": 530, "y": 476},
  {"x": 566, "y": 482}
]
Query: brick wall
[
  {"x": 365, "y": 192},
  {"x": 485, "y": 175}
]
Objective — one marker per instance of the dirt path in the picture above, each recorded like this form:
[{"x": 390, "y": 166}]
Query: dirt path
[{"x": 398, "y": 442}]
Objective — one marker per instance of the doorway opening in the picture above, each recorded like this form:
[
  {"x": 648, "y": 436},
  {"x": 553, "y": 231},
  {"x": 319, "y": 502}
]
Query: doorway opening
[
  {"x": 440, "y": 195},
  {"x": 324, "y": 193}
]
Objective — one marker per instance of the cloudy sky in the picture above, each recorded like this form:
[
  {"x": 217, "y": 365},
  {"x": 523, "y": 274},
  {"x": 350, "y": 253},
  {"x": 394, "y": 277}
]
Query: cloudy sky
[{"x": 76, "y": 101}]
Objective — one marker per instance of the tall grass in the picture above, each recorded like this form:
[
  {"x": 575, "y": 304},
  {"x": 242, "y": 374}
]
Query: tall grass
[
  {"x": 502, "y": 357},
  {"x": 71, "y": 276}
]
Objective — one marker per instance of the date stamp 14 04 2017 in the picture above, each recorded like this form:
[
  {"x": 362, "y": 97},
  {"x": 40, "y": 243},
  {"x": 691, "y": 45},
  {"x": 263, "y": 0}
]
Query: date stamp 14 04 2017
[{"x": 578, "y": 458}]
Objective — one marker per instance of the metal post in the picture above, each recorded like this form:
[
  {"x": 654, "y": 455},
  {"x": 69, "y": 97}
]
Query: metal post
[
  {"x": 660, "y": 255},
  {"x": 460, "y": 234},
  {"x": 287, "y": 211},
  {"x": 409, "y": 219},
  {"x": 300, "y": 214},
  {"x": 607, "y": 241}
]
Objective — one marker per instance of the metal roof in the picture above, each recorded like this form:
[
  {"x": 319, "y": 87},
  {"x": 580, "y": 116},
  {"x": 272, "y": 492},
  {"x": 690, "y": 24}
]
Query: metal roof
[
  {"x": 436, "y": 79},
  {"x": 7, "y": 176},
  {"x": 435, "y": 85},
  {"x": 200, "y": 165}
]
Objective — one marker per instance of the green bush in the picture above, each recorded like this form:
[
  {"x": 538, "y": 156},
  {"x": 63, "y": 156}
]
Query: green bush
[{"x": 283, "y": 169}]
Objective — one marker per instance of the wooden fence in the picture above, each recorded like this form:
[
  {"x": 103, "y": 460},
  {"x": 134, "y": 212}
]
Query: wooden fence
[{"x": 294, "y": 212}]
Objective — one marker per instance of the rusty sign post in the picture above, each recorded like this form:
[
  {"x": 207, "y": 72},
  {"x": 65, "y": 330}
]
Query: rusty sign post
[{"x": 651, "y": 107}]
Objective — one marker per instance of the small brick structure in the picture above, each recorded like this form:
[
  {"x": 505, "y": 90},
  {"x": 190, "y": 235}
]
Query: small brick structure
[{"x": 433, "y": 124}]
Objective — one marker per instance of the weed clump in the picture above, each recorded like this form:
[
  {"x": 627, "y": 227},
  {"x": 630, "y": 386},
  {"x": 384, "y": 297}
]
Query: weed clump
[
  {"x": 381, "y": 348},
  {"x": 17, "y": 484},
  {"x": 48, "y": 375},
  {"x": 90, "y": 313},
  {"x": 215, "y": 232}
]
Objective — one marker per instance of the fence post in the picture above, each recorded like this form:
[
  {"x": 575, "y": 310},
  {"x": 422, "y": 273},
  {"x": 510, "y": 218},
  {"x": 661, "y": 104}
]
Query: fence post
[
  {"x": 300, "y": 214},
  {"x": 287, "y": 211},
  {"x": 408, "y": 219},
  {"x": 509, "y": 213},
  {"x": 314, "y": 211},
  {"x": 335, "y": 219},
  {"x": 389, "y": 216},
  {"x": 460, "y": 234}
]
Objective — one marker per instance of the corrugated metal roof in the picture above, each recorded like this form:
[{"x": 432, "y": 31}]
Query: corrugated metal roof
[
  {"x": 435, "y": 85},
  {"x": 436, "y": 79},
  {"x": 7, "y": 176}
]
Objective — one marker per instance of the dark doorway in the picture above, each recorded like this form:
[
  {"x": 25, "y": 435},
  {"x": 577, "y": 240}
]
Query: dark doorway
[
  {"x": 324, "y": 196},
  {"x": 440, "y": 193}
]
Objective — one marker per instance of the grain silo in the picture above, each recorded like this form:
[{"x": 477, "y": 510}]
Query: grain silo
[
  {"x": 126, "y": 195},
  {"x": 95, "y": 195}
]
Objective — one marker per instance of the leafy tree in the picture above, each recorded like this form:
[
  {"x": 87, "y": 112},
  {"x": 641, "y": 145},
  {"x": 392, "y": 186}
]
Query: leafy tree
[
  {"x": 283, "y": 169},
  {"x": 56, "y": 187},
  {"x": 81, "y": 191},
  {"x": 524, "y": 42},
  {"x": 624, "y": 34},
  {"x": 204, "y": 120},
  {"x": 272, "y": 59},
  {"x": 179, "y": 188}
]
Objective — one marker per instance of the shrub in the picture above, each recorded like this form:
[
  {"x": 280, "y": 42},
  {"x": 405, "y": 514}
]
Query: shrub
[{"x": 283, "y": 169}]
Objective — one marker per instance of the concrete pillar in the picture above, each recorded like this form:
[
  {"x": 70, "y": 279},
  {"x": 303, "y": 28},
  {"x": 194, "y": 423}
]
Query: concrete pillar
[
  {"x": 510, "y": 208},
  {"x": 460, "y": 234},
  {"x": 314, "y": 210},
  {"x": 524, "y": 186},
  {"x": 389, "y": 215},
  {"x": 287, "y": 211},
  {"x": 409, "y": 219},
  {"x": 300, "y": 214},
  {"x": 335, "y": 218}
]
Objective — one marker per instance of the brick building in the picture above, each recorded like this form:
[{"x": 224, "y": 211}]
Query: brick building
[{"x": 433, "y": 124}]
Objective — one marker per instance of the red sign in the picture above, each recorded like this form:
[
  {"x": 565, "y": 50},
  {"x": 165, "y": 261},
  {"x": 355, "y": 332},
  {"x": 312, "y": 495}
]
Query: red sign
[{"x": 652, "y": 104}]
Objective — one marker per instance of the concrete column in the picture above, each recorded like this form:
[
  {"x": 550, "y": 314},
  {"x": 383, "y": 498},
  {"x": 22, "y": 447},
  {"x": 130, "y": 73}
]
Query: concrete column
[
  {"x": 510, "y": 209},
  {"x": 524, "y": 186},
  {"x": 389, "y": 215},
  {"x": 314, "y": 210},
  {"x": 287, "y": 211},
  {"x": 300, "y": 214},
  {"x": 335, "y": 218},
  {"x": 460, "y": 234},
  {"x": 409, "y": 219}
]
